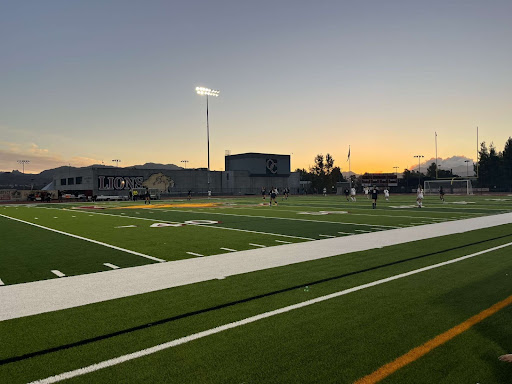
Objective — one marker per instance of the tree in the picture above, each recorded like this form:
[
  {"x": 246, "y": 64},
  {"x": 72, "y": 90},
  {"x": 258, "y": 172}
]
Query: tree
[{"x": 507, "y": 165}]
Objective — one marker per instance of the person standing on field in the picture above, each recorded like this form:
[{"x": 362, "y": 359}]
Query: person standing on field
[
  {"x": 273, "y": 195},
  {"x": 353, "y": 194},
  {"x": 419, "y": 196},
  {"x": 375, "y": 193},
  {"x": 386, "y": 194}
]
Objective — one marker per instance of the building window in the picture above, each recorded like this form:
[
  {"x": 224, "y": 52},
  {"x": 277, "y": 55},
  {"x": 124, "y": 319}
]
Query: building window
[
  {"x": 63, "y": 182},
  {"x": 71, "y": 181},
  {"x": 79, "y": 180}
]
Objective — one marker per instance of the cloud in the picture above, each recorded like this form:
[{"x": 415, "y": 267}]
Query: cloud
[
  {"x": 39, "y": 158},
  {"x": 455, "y": 163}
]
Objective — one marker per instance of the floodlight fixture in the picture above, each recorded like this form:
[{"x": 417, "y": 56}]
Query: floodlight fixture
[
  {"x": 207, "y": 91},
  {"x": 117, "y": 161}
]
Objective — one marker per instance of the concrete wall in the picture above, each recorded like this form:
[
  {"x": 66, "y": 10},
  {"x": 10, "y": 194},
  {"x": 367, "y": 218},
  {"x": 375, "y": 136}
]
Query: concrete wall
[
  {"x": 259, "y": 163},
  {"x": 119, "y": 181}
]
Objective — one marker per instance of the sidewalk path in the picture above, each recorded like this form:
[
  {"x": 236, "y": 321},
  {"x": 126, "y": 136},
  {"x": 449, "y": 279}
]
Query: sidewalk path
[{"x": 27, "y": 299}]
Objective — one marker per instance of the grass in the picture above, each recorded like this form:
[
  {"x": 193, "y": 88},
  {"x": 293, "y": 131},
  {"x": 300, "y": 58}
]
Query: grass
[{"x": 339, "y": 340}]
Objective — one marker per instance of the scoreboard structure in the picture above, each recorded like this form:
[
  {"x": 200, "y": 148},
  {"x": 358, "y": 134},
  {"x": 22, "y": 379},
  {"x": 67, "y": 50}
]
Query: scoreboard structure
[{"x": 379, "y": 180}]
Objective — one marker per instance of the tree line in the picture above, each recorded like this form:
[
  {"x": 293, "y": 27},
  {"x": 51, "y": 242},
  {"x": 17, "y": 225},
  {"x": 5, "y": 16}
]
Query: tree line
[{"x": 493, "y": 170}]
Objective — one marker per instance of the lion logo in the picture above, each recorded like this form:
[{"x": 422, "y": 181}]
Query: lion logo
[{"x": 159, "y": 181}]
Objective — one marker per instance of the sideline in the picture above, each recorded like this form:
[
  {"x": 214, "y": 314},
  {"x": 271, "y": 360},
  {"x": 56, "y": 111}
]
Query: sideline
[
  {"x": 37, "y": 297},
  {"x": 252, "y": 319}
]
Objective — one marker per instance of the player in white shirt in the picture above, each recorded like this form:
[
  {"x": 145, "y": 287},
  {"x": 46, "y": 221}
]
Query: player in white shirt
[
  {"x": 386, "y": 194},
  {"x": 366, "y": 192},
  {"x": 353, "y": 194},
  {"x": 419, "y": 196}
]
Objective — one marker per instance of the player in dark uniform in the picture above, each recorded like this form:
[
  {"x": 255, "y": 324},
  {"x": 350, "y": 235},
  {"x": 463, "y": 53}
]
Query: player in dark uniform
[
  {"x": 263, "y": 192},
  {"x": 441, "y": 193},
  {"x": 375, "y": 193},
  {"x": 346, "y": 192},
  {"x": 273, "y": 195}
]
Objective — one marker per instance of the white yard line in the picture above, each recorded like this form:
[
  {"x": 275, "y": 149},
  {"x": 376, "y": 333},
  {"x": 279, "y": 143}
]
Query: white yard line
[
  {"x": 58, "y": 273},
  {"x": 212, "y": 331},
  {"x": 258, "y": 232},
  {"x": 258, "y": 245},
  {"x": 332, "y": 209},
  {"x": 194, "y": 254},
  {"x": 284, "y": 242},
  {"x": 19, "y": 300},
  {"x": 1, "y": 282},
  {"x": 111, "y": 265},
  {"x": 275, "y": 218},
  {"x": 326, "y": 236},
  {"x": 346, "y": 233},
  {"x": 228, "y": 249},
  {"x": 198, "y": 225},
  {"x": 86, "y": 239}
]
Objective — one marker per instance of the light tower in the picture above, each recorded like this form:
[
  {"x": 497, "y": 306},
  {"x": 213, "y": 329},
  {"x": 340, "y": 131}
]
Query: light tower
[
  {"x": 185, "y": 161},
  {"x": 207, "y": 92},
  {"x": 117, "y": 161},
  {"x": 419, "y": 168},
  {"x": 23, "y": 162}
]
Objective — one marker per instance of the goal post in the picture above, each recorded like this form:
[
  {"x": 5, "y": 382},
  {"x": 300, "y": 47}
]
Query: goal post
[{"x": 450, "y": 186}]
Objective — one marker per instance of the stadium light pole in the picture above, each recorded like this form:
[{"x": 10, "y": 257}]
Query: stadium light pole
[
  {"x": 185, "y": 161},
  {"x": 419, "y": 168},
  {"x": 207, "y": 92},
  {"x": 117, "y": 161},
  {"x": 23, "y": 162}
]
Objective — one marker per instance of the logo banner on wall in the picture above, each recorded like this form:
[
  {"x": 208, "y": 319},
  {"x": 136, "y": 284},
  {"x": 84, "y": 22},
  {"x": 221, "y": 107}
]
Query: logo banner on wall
[{"x": 271, "y": 166}]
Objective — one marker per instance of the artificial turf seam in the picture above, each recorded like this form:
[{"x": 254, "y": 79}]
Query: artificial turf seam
[{"x": 229, "y": 304}]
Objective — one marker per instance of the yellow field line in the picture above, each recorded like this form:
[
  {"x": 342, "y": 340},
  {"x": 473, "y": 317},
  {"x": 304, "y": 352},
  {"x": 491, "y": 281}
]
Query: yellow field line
[{"x": 416, "y": 353}]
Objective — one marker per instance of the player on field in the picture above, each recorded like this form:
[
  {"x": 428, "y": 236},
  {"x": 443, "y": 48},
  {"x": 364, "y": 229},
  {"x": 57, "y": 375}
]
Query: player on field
[
  {"x": 386, "y": 194},
  {"x": 273, "y": 195},
  {"x": 419, "y": 196},
  {"x": 353, "y": 194},
  {"x": 366, "y": 191},
  {"x": 147, "y": 197},
  {"x": 346, "y": 192},
  {"x": 375, "y": 193},
  {"x": 441, "y": 193}
]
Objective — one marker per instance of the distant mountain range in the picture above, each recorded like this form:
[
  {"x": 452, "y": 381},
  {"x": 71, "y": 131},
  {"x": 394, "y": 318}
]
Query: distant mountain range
[{"x": 16, "y": 179}]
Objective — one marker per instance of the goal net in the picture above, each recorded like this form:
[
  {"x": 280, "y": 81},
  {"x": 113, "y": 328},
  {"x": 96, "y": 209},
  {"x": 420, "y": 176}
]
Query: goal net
[{"x": 463, "y": 187}]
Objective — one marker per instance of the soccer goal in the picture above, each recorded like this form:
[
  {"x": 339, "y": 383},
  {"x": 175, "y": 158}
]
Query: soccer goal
[{"x": 463, "y": 187}]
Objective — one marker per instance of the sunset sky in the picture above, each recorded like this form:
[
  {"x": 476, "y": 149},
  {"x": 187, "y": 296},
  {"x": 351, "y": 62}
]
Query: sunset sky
[{"x": 89, "y": 81}]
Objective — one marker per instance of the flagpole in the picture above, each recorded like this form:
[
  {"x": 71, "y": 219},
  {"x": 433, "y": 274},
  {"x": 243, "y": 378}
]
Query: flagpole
[
  {"x": 436, "y": 155},
  {"x": 349, "y": 172}
]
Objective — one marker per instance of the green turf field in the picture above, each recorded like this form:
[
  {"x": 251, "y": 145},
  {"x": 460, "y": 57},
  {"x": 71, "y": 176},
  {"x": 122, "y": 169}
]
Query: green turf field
[{"x": 335, "y": 340}]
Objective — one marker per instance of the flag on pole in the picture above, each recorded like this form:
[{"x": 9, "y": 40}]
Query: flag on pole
[{"x": 348, "y": 158}]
